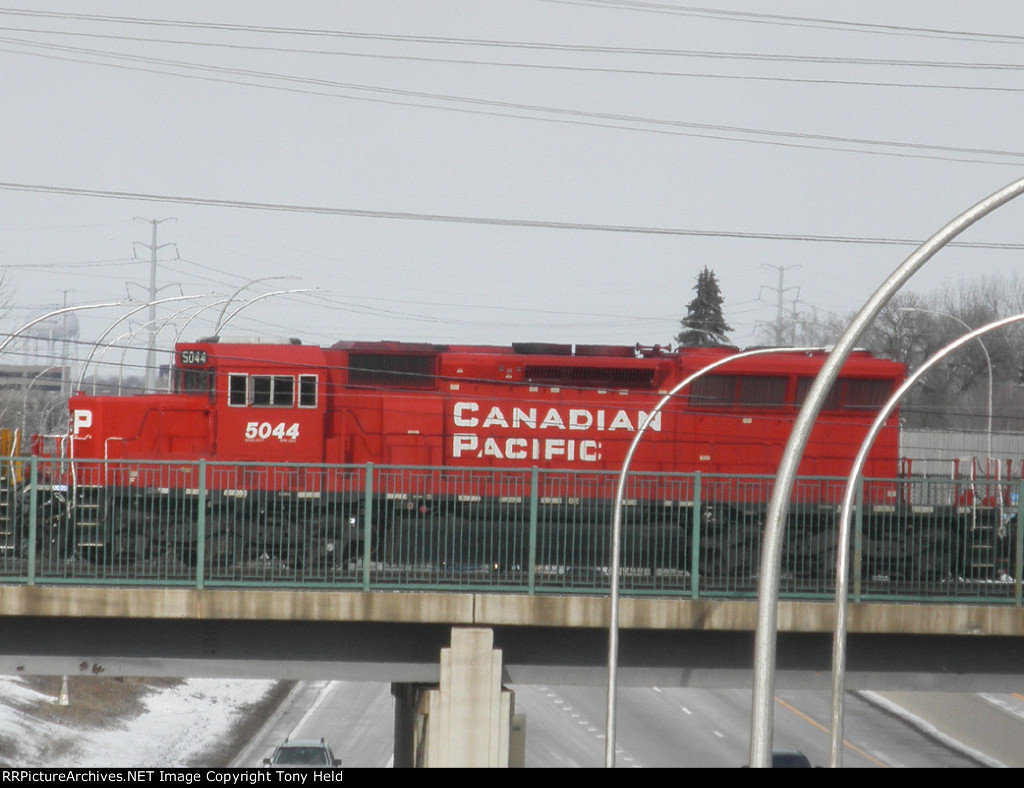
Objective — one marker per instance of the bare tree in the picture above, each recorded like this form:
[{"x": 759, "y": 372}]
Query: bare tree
[{"x": 955, "y": 394}]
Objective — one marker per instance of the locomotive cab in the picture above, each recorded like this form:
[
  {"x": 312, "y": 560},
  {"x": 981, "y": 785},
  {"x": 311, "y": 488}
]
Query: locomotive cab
[{"x": 266, "y": 397}]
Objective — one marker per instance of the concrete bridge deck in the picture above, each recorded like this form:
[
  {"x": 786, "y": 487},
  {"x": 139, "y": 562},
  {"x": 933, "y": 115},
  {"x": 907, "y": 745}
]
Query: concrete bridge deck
[{"x": 397, "y": 636}]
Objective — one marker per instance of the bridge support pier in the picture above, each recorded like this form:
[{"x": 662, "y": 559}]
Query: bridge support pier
[{"x": 467, "y": 720}]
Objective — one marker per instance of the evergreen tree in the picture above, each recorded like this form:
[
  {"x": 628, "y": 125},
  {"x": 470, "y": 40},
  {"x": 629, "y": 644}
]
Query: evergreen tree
[{"x": 704, "y": 323}]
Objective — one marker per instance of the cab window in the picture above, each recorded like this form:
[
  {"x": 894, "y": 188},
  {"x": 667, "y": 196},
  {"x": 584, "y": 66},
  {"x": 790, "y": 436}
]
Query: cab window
[
  {"x": 307, "y": 391},
  {"x": 262, "y": 391},
  {"x": 238, "y": 390}
]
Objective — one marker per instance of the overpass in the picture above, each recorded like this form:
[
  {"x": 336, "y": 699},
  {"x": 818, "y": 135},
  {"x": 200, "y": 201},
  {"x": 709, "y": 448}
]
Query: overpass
[
  {"x": 397, "y": 636},
  {"x": 448, "y": 656}
]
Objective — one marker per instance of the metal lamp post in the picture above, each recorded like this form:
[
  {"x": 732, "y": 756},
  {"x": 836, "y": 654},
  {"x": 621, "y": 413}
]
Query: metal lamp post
[
  {"x": 771, "y": 556},
  {"x": 25, "y": 392},
  {"x": 988, "y": 365},
  {"x": 220, "y": 318},
  {"x": 613, "y": 627},
  {"x": 48, "y": 315},
  {"x": 225, "y": 320},
  {"x": 843, "y": 538},
  {"x": 92, "y": 352}
]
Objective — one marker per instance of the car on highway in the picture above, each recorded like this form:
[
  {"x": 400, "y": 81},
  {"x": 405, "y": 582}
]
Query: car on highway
[
  {"x": 303, "y": 754},
  {"x": 786, "y": 759}
]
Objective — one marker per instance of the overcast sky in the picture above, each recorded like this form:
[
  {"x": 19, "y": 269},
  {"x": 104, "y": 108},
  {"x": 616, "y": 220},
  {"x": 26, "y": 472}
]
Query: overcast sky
[{"x": 491, "y": 171}]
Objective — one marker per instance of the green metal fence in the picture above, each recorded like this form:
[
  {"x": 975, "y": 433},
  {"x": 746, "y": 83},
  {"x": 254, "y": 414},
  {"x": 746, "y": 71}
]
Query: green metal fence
[{"x": 513, "y": 530}]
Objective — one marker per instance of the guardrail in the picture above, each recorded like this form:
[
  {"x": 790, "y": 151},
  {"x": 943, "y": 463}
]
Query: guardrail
[{"x": 203, "y": 524}]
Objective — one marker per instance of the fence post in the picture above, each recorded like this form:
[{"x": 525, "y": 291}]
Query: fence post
[
  {"x": 33, "y": 517},
  {"x": 1018, "y": 568},
  {"x": 695, "y": 554},
  {"x": 201, "y": 527},
  {"x": 857, "y": 565},
  {"x": 531, "y": 578},
  {"x": 367, "y": 525}
]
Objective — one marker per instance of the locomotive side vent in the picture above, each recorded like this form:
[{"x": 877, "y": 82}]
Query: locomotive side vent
[
  {"x": 397, "y": 370},
  {"x": 591, "y": 377}
]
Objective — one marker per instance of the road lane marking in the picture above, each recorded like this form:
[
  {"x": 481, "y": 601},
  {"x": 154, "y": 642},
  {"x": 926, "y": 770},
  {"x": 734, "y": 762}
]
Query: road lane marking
[{"x": 825, "y": 730}]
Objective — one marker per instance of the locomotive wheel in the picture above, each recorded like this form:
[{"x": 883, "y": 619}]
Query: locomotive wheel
[
  {"x": 318, "y": 559},
  {"x": 932, "y": 566}
]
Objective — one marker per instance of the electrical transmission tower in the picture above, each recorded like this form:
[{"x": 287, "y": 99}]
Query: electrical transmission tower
[
  {"x": 152, "y": 290},
  {"x": 780, "y": 295}
]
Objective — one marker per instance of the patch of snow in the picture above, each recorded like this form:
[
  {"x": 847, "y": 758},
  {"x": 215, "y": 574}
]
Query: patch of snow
[{"x": 178, "y": 725}]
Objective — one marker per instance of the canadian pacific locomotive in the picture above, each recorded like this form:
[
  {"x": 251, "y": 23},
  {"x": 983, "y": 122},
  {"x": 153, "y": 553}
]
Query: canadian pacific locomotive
[
  {"x": 426, "y": 454},
  {"x": 553, "y": 406}
]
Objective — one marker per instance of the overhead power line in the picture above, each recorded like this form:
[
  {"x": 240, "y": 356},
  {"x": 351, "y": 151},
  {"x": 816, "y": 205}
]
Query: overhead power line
[
  {"x": 482, "y": 220},
  {"x": 559, "y": 114},
  {"x": 419, "y": 39},
  {"x": 697, "y": 54},
  {"x": 797, "y": 21}
]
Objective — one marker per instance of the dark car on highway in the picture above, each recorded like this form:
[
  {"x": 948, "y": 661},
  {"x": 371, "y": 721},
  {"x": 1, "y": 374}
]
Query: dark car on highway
[{"x": 304, "y": 753}]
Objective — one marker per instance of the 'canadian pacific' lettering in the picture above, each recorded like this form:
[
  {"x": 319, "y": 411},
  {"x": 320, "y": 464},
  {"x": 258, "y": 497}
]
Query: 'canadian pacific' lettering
[
  {"x": 468, "y": 444},
  {"x": 535, "y": 445},
  {"x": 472, "y": 416}
]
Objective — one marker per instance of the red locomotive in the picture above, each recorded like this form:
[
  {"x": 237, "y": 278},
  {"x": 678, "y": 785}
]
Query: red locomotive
[
  {"x": 416, "y": 454},
  {"x": 552, "y": 406}
]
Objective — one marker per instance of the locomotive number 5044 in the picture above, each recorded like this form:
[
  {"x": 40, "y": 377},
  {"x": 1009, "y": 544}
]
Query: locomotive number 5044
[{"x": 262, "y": 430}]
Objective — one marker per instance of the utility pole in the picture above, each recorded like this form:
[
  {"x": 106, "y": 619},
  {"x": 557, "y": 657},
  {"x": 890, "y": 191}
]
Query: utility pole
[
  {"x": 153, "y": 290},
  {"x": 65, "y": 377},
  {"x": 780, "y": 293}
]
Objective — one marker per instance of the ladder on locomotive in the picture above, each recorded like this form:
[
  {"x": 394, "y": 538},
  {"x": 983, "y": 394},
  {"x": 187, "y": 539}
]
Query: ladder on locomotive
[
  {"x": 984, "y": 495},
  {"x": 10, "y": 475}
]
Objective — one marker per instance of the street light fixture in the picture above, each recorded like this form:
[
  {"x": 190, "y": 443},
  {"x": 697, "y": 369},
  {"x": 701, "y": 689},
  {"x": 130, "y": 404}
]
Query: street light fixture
[{"x": 48, "y": 315}]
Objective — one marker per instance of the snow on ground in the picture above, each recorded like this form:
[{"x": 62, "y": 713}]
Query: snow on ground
[{"x": 176, "y": 726}]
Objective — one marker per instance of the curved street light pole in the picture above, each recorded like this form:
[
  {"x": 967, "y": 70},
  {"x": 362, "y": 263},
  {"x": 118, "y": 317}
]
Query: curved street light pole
[
  {"x": 988, "y": 364},
  {"x": 221, "y": 321},
  {"x": 28, "y": 388},
  {"x": 260, "y": 297},
  {"x": 613, "y": 627},
  {"x": 843, "y": 539},
  {"x": 48, "y": 315},
  {"x": 130, "y": 337},
  {"x": 220, "y": 318},
  {"x": 99, "y": 359},
  {"x": 771, "y": 553},
  {"x": 198, "y": 312},
  {"x": 112, "y": 326}
]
